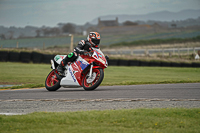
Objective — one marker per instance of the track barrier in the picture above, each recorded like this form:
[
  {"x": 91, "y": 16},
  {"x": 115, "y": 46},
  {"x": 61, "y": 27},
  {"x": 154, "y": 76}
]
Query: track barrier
[
  {"x": 47, "y": 58},
  {"x": 36, "y": 57},
  {"x": 25, "y": 57},
  {"x": 14, "y": 56},
  {"x": 4, "y": 55}
]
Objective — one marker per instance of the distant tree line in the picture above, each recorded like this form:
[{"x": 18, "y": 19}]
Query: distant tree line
[
  {"x": 129, "y": 23},
  {"x": 56, "y": 31},
  {"x": 41, "y": 32}
]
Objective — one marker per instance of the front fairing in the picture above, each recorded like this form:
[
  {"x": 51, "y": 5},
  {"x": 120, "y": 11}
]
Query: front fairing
[
  {"x": 59, "y": 58},
  {"x": 99, "y": 56}
]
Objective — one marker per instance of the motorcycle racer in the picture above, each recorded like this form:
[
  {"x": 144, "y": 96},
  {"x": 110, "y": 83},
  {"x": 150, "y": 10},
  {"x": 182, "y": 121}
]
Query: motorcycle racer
[{"x": 83, "y": 46}]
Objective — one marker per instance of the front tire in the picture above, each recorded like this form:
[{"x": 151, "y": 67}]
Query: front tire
[
  {"x": 52, "y": 83},
  {"x": 98, "y": 76}
]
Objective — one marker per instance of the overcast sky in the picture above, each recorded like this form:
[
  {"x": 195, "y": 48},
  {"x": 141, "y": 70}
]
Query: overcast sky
[{"x": 21, "y": 13}]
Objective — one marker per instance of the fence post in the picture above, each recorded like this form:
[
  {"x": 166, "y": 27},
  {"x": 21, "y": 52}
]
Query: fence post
[
  {"x": 131, "y": 52},
  {"x": 72, "y": 40},
  {"x": 170, "y": 54},
  {"x": 43, "y": 45},
  {"x": 120, "y": 52},
  {"x": 17, "y": 45}
]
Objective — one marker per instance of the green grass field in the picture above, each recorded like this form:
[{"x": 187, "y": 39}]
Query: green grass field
[
  {"x": 166, "y": 120},
  {"x": 34, "y": 75}
]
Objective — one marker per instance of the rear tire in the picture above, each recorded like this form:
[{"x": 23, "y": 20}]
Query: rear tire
[
  {"x": 99, "y": 75},
  {"x": 52, "y": 83}
]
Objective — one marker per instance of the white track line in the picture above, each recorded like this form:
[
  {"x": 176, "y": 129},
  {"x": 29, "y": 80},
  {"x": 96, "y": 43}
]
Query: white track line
[{"x": 11, "y": 114}]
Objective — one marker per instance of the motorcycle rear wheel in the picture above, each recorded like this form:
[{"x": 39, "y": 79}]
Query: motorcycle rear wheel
[
  {"x": 52, "y": 83},
  {"x": 99, "y": 75}
]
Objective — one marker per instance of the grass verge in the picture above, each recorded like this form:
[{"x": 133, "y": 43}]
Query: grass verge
[
  {"x": 34, "y": 75},
  {"x": 166, "y": 120},
  {"x": 150, "y": 75}
]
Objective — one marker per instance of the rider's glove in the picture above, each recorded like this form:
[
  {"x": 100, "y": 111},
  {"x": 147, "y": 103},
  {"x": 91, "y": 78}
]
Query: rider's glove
[
  {"x": 86, "y": 53},
  {"x": 81, "y": 52},
  {"x": 90, "y": 49}
]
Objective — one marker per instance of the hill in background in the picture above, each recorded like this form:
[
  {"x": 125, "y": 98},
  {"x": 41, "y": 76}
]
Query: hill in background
[{"x": 156, "y": 16}]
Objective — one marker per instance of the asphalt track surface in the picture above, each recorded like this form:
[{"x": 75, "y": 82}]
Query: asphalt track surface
[
  {"x": 159, "y": 91},
  {"x": 185, "y": 95}
]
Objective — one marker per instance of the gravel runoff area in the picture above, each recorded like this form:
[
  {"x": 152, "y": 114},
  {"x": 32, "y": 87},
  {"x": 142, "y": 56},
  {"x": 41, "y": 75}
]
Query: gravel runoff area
[{"x": 12, "y": 107}]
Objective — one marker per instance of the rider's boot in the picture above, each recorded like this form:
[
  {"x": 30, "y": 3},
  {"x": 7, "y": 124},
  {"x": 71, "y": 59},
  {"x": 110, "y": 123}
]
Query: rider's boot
[
  {"x": 61, "y": 66},
  {"x": 69, "y": 58}
]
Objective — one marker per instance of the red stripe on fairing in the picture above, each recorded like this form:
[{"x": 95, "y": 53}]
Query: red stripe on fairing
[{"x": 77, "y": 72}]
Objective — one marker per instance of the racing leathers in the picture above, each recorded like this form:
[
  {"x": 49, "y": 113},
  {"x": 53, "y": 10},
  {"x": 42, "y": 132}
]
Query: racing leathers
[{"x": 82, "y": 47}]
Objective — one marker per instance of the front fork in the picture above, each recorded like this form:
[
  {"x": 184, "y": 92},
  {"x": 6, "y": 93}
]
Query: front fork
[
  {"x": 52, "y": 65},
  {"x": 90, "y": 74}
]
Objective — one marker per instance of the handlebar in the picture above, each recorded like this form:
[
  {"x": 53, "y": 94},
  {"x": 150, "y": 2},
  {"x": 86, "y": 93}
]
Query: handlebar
[{"x": 88, "y": 53}]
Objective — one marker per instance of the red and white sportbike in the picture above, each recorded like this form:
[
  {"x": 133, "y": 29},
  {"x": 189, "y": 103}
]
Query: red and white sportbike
[{"x": 87, "y": 71}]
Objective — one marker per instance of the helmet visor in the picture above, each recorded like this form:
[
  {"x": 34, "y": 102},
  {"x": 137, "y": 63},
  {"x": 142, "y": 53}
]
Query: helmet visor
[{"x": 96, "y": 41}]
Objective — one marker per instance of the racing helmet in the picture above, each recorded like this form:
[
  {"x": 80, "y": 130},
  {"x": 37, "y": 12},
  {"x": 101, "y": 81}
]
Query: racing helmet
[{"x": 94, "y": 39}]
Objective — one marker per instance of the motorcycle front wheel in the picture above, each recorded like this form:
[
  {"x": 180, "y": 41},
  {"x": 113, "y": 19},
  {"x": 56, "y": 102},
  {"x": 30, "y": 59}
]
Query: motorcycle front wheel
[
  {"x": 52, "y": 83},
  {"x": 93, "y": 82}
]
